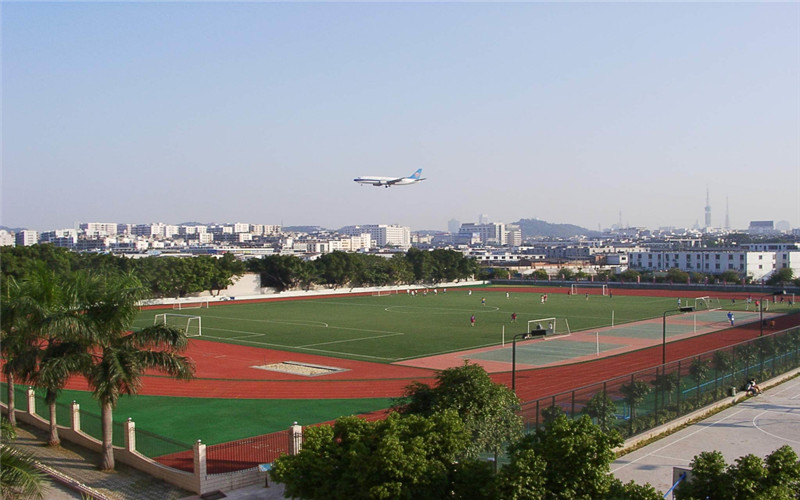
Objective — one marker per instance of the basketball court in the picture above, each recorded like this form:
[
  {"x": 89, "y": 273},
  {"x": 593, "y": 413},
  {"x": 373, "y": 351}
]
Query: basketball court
[{"x": 758, "y": 425}]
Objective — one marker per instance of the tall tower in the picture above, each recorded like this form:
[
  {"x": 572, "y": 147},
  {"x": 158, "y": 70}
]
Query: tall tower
[
  {"x": 727, "y": 216},
  {"x": 708, "y": 209}
]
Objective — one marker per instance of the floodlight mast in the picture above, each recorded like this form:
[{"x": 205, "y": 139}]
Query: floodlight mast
[
  {"x": 664, "y": 330},
  {"x": 522, "y": 336}
]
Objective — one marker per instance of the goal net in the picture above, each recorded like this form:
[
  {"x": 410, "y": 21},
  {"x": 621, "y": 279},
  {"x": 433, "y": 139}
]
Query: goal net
[
  {"x": 196, "y": 304},
  {"x": 192, "y": 326},
  {"x": 551, "y": 326},
  {"x": 707, "y": 304}
]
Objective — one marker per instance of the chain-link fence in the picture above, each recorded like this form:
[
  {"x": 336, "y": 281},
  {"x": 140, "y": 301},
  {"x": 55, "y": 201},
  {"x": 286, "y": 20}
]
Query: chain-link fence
[{"x": 643, "y": 400}]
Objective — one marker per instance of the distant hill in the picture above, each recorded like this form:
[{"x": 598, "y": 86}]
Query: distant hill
[{"x": 533, "y": 228}]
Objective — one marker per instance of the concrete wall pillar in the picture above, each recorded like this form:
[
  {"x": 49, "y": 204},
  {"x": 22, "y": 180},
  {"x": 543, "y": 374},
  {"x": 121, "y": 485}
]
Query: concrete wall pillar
[
  {"x": 130, "y": 435},
  {"x": 295, "y": 438},
  {"x": 76, "y": 416},
  {"x": 200, "y": 466},
  {"x": 31, "y": 401}
]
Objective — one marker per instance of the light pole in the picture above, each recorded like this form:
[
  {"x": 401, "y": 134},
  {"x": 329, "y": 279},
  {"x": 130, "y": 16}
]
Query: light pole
[
  {"x": 664, "y": 330},
  {"x": 761, "y": 309},
  {"x": 523, "y": 336}
]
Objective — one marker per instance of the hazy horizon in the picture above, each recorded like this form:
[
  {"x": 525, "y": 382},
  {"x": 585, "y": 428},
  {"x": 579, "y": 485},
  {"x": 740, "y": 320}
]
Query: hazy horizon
[{"x": 265, "y": 112}]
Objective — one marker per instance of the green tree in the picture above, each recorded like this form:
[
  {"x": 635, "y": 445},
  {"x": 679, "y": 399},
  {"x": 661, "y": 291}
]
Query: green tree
[
  {"x": 399, "y": 457},
  {"x": 539, "y": 274},
  {"x": 57, "y": 321},
  {"x": 487, "y": 409},
  {"x": 730, "y": 276},
  {"x": 565, "y": 274},
  {"x": 19, "y": 477},
  {"x": 421, "y": 264},
  {"x": 120, "y": 356},
  {"x": 633, "y": 491},
  {"x": 698, "y": 370},
  {"x": 572, "y": 458},
  {"x": 722, "y": 363},
  {"x": 400, "y": 269},
  {"x": 675, "y": 275},
  {"x": 337, "y": 268},
  {"x": 634, "y": 393},
  {"x": 601, "y": 408},
  {"x": 499, "y": 273},
  {"x": 18, "y": 341},
  {"x": 629, "y": 275},
  {"x": 665, "y": 383},
  {"x": 281, "y": 272},
  {"x": 775, "y": 478},
  {"x": 781, "y": 276}
]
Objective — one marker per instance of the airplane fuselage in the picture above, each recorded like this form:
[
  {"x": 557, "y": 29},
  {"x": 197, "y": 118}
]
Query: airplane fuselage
[{"x": 391, "y": 181}]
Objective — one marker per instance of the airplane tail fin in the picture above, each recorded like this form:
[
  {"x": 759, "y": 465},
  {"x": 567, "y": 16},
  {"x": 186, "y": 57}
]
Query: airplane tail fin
[{"x": 416, "y": 175}]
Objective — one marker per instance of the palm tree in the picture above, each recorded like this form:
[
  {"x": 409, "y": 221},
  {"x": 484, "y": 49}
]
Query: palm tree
[
  {"x": 58, "y": 322},
  {"x": 120, "y": 356},
  {"x": 19, "y": 477},
  {"x": 17, "y": 340}
]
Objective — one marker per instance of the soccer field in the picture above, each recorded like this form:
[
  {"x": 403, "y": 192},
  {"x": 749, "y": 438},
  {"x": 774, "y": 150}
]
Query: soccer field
[{"x": 396, "y": 327}]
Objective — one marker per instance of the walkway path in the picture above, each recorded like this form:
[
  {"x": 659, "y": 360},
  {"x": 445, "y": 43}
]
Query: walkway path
[{"x": 78, "y": 466}]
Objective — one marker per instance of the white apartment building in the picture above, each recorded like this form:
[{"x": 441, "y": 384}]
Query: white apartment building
[
  {"x": 381, "y": 234},
  {"x": 190, "y": 230},
  {"x": 6, "y": 238},
  {"x": 66, "y": 238},
  {"x": 492, "y": 233},
  {"x": 155, "y": 230},
  {"x": 758, "y": 265},
  {"x": 98, "y": 229},
  {"x": 241, "y": 227},
  {"x": 26, "y": 238}
]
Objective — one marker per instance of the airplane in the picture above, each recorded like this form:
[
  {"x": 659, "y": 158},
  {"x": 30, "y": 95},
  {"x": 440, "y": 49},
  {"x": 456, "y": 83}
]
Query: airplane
[{"x": 391, "y": 181}]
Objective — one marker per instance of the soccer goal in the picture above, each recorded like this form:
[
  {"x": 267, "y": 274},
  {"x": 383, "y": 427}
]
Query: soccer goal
[
  {"x": 194, "y": 304},
  {"x": 707, "y": 303},
  {"x": 192, "y": 326},
  {"x": 551, "y": 326}
]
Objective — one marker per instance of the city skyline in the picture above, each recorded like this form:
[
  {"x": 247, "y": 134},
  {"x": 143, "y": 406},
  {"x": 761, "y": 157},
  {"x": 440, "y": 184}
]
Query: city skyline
[{"x": 137, "y": 112}]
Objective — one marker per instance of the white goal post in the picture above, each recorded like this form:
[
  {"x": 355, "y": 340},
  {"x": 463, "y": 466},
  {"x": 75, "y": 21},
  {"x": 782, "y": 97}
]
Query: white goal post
[
  {"x": 192, "y": 326},
  {"x": 707, "y": 303},
  {"x": 190, "y": 304},
  {"x": 585, "y": 287},
  {"x": 551, "y": 326}
]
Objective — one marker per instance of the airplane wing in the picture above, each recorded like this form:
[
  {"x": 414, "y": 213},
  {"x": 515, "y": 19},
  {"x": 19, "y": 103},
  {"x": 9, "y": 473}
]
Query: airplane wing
[{"x": 395, "y": 181}]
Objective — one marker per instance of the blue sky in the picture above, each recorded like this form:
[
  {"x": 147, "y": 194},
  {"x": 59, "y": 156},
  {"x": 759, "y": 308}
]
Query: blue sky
[{"x": 265, "y": 112}]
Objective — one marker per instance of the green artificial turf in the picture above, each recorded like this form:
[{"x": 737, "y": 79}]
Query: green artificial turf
[
  {"x": 392, "y": 328},
  {"x": 211, "y": 420}
]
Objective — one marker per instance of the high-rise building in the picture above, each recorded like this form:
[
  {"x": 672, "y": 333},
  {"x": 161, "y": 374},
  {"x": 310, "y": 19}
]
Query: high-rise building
[
  {"x": 453, "y": 226},
  {"x": 493, "y": 233},
  {"x": 26, "y": 238},
  {"x": 708, "y": 209}
]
